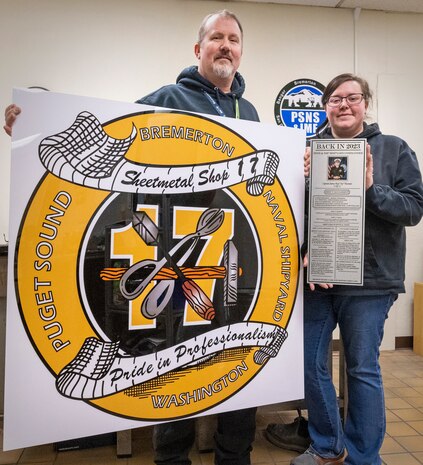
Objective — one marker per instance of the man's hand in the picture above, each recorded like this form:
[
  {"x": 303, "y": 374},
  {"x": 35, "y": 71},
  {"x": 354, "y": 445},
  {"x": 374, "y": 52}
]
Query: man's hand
[{"x": 10, "y": 114}]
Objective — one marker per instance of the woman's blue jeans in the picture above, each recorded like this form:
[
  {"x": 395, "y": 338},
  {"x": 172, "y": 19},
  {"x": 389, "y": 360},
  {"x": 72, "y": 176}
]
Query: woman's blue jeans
[{"x": 361, "y": 321}]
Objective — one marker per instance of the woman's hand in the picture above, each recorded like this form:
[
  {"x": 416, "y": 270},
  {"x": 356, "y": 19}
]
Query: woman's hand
[
  {"x": 313, "y": 285},
  {"x": 10, "y": 114},
  {"x": 369, "y": 167},
  {"x": 307, "y": 162}
]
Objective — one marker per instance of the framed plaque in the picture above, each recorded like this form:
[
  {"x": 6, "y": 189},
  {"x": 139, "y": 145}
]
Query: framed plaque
[{"x": 337, "y": 211}]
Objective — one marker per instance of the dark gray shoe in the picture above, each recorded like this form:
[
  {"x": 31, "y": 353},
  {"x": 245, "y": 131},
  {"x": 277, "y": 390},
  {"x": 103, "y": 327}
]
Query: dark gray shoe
[
  {"x": 310, "y": 458},
  {"x": 291, "y": 436}
]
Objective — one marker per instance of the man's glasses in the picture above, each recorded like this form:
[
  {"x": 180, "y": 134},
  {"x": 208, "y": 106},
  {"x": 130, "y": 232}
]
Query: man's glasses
[{"x": 352, "y": 99}]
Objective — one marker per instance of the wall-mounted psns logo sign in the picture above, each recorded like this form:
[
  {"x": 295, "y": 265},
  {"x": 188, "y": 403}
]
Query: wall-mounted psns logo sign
[{"x": 299, "y": 105}]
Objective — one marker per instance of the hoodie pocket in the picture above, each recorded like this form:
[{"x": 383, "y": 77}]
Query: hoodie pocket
[{"x": 371, "y": 265}]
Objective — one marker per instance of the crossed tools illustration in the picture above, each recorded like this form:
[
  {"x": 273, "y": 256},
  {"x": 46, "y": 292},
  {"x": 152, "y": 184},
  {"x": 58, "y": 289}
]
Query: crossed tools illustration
[{"x": 145, "y": 271}]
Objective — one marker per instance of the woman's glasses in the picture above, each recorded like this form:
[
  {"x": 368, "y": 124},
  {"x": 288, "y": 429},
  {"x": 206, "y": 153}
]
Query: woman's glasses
[{"x": 352, "y": 99}]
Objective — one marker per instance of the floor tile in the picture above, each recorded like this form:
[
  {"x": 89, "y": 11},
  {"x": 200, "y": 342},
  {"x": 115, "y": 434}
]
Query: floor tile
[
  {"x": 415, "y": 381},
  {"x": 396, "y": 429},
  {"x": 418, "y": 456},
  {"x": 35, "y": 463},
  {"x": 105, "y": 453},
  {"x": 415, "y": 401},
  {"x": 391, "y": 446},
  {"x": 406, "y": 414},
  {"x": 400, "y": 459},
  {"x": 261, "y": 453},
  {"x": 417, "y": 425},
  {"x": 392, "y": 382},
  {"x": 392, "y": 416},
  {"x": 45, "y": 452},
  {"x": 405, "y": 392},
  {"x": 11, "y": 456},
  {"x": 207, "y": 459},
  {"x": 388, "y": 393},
  {"x": 397, "y": 403},
  {"x": 411, "y": 443}
]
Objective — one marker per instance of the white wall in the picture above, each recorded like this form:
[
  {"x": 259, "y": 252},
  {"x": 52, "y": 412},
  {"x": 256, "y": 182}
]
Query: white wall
[{"x": 123, "y": 50}]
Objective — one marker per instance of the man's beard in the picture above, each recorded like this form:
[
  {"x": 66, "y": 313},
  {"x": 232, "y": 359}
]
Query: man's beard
[{"x": 223, "y": 70}]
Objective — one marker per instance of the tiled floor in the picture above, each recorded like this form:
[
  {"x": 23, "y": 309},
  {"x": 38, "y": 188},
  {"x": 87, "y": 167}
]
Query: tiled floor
[{"x": 403, "y": 445}]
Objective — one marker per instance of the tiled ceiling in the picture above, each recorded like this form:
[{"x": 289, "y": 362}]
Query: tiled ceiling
[{"x": 404, "y": 6}]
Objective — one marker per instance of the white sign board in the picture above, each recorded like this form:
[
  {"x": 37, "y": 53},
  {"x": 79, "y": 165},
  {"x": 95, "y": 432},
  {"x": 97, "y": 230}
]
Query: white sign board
[{"x": 154, "y": 267}]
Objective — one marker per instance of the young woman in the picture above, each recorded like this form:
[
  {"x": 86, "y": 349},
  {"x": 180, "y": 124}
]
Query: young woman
[{"x": 394, "y": 200}]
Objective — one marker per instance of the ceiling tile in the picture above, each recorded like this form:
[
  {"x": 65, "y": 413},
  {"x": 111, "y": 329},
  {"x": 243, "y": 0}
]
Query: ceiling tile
[{"x": 404, "y": 6}]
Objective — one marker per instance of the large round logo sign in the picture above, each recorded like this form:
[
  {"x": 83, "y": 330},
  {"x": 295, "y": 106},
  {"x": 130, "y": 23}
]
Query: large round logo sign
[
  {"x": 157, "y": 263},
  {"x": 299, "y": 105}
]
